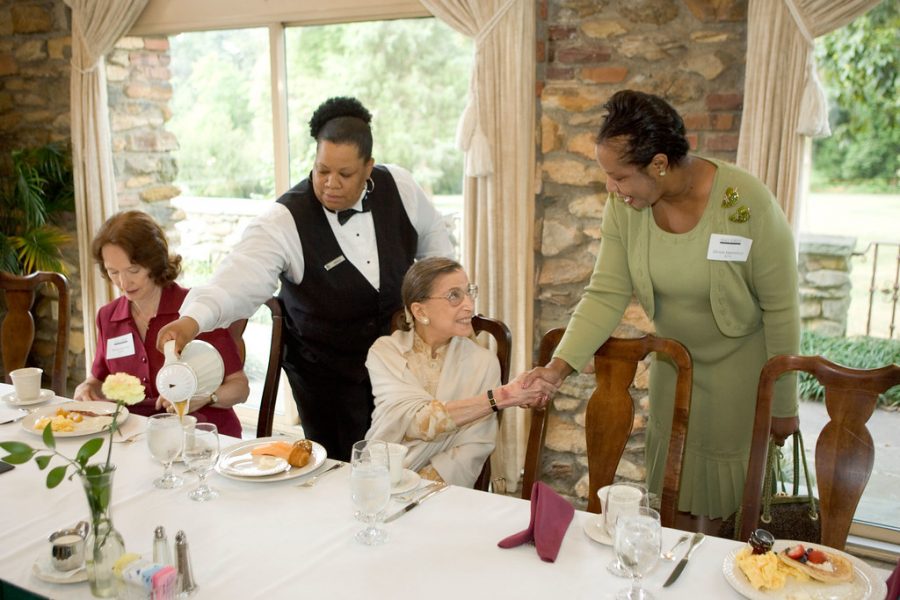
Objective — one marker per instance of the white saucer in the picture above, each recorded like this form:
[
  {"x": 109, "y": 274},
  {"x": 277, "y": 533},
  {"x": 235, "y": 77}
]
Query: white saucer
[
  {"x": 44, "y": 571},
  {"x": 45, "y": 395},
  {"x": 595, "y": 528},
  {"x": 409, "y": 480}
]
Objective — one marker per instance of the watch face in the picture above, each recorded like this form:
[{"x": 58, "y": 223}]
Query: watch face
[{"x": 176, "y": 383}]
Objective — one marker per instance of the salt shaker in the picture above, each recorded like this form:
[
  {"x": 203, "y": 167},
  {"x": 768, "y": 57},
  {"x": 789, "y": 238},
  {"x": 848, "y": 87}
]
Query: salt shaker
[
  {"x": 186, "y": 584},
  {"x": 161, "y": 553}
]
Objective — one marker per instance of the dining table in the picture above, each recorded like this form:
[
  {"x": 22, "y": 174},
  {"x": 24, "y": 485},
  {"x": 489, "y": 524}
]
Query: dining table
[{"x": 276, "y": 539}]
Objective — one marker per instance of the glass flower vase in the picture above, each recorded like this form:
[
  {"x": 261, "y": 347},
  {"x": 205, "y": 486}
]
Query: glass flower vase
[{"x": 104, "y": 545}]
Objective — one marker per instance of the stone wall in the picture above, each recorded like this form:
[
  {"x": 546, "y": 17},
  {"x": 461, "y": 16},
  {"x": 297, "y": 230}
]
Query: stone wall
[
  {"x": 824, "y": 264},
  {"x": 690, "y": 52},
  {"x": 35, "y": 54},
  {"x": 35, "y": 50}
]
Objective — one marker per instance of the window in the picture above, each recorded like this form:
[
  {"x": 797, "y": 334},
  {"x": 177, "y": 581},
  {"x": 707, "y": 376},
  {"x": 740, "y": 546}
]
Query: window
[{"x": 234, "y": 152}]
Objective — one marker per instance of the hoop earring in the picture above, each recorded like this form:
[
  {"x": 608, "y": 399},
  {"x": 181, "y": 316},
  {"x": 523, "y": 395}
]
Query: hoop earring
[{"x": 369, "y": 190}]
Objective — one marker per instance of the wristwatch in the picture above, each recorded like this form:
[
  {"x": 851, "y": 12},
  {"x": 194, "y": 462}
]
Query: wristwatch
[{"x": 213, "y": 399}]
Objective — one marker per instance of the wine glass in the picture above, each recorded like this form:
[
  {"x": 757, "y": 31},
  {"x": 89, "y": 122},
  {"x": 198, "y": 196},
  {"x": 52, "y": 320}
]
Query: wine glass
[
  {"x": 621, "y": 499},
  {"x": 370, "y": 487},
  {"x": 164, "y": 439},
  {"x": 637, "y": 545},
  {"x": 201, "y": 450}
]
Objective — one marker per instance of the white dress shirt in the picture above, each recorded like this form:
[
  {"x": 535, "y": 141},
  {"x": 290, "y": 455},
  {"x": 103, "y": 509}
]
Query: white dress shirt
[{"x": 270, "y": 246}]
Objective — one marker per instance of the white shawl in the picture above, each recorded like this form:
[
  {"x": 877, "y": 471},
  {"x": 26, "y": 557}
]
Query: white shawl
[{"x": 468, "y": 370}]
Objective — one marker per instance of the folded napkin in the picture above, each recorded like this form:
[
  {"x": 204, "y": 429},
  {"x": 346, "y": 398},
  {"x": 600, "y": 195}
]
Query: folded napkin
[
  {"x": 550, "y": 518},
  {"x": 893, "y": 584}
]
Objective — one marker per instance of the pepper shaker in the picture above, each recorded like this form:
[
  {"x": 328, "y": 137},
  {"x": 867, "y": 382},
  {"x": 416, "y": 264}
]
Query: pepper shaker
[
  {"x": 186, "y": 583},
  {"x": 161, "y": 553}
]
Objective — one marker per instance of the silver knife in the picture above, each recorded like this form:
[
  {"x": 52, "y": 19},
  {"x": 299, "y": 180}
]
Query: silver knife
[
  {"x": 415, "y": 503},
  {"x": 695, "y": 541}
]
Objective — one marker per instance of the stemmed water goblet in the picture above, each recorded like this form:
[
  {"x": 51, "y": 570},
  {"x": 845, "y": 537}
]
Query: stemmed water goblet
[
  {"x": 637, "y": 545},
  {"x": 165, "y": 439},
  {"x": 201, "y": 451},
  {"x": 370, "y": 487},
  {"x": 621, "y": 500}
]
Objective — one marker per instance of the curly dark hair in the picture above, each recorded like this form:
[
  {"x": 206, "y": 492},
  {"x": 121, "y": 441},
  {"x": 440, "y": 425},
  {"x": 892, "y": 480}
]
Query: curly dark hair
[
  {"x": 143, "y": 240},
  {"x": 649, "y": 126},
  {"x": 343, "y": 120}
]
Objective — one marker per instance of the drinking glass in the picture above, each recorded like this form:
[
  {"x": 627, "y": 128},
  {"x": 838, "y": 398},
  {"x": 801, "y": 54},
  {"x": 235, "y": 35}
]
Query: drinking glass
[
  {"x": 201, "y": 451},
  {"x": 637, "y": 546},
  {"x": 370, "y": 487},
  {"x": 164, "y": 439},
  {"x": 622, "y": 499}
]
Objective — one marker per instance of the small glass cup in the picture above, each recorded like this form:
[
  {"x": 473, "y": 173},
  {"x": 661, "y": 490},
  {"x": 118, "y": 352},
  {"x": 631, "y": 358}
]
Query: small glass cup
[
  {"x": 370, "y": 487},
  {"x": 201, "y": 451},
  {"x": 164, "y": 440},
  {"x": 618, "y": 500},
  {"x": 637, "y": 546}
]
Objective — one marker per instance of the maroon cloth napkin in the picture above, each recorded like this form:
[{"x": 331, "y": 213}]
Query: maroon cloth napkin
[
  {"x": 550, "y": 518},
  {"x": 893, "y": 584}
]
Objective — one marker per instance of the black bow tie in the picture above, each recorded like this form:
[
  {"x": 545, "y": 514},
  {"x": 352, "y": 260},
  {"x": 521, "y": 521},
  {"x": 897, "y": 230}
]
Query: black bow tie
[{"x": 345, "y": 215}]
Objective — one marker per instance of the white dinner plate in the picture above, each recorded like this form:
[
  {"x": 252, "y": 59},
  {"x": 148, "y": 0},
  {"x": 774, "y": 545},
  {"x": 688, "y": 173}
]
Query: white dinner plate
[
  {"x": 409, "y": 480},
  {"x": 595, "y": 528},
  {"x": 45, "y": 395},
  {"x": 865, "y": 585},
  {"x": 243, "y": 448},
  {"x": 246, "y": 465},
  {"x": 89, "y": 426}
]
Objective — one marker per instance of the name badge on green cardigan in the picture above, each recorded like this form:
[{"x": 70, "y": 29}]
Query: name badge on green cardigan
[{"x": 728, "y": 247}]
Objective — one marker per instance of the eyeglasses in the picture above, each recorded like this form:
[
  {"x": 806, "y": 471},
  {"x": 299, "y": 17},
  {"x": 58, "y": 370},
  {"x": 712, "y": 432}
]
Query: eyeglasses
[{"x": 455, "y": 296}]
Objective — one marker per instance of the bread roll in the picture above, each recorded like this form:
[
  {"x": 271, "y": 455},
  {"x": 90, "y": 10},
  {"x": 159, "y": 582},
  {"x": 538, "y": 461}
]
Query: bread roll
[{"x": 300, "y": 453}]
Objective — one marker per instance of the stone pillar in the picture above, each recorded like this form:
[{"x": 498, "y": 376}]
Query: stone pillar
[{"x": 824, "y": 264}]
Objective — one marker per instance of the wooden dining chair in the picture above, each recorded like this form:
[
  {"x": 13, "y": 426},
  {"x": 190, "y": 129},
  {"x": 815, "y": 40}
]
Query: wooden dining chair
[
  {"x": 17, "y": 330},
  {"x": 609, "y": 416},
  {"x": 503, "y": 341},
  {"x": 844, "y": 451},
  {"x": 269, "y": 397}
]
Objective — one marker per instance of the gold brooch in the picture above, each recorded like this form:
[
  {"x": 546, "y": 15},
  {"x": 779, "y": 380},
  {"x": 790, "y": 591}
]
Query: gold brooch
[
  {"x": 731, "y": 197},
  {"x": 741, "y": 215}
]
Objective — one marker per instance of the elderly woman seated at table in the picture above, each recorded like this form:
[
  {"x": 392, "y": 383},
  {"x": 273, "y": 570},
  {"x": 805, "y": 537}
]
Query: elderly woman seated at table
[
  {"x": 131, "y": 251},
  {"x": 436, "y": 389}
]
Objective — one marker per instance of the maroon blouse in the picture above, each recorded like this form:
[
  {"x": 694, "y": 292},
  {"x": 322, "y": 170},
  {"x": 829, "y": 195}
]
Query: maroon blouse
[{"x": 114, "y": 321}]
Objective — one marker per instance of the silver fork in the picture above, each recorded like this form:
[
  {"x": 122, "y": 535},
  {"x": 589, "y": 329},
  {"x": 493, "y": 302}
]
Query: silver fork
[{"x": 313, "y": 480}]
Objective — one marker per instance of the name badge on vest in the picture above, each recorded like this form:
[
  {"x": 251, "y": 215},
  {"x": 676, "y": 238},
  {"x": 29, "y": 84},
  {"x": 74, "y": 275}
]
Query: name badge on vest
[
  {"x": 334, "y": 262},
  {"x": 118, "y": 347},
  {"x": 728, "y": 247}
]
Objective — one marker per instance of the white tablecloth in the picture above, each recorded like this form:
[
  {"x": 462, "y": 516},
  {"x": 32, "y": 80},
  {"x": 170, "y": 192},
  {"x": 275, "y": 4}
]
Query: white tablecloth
[{"x": 275, "y": 540}]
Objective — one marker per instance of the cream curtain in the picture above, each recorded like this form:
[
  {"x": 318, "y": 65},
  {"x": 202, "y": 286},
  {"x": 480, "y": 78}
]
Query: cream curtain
[
  {"x": 783, "y": 100},
  {"x": 96, "y": 25},
  {"x": 496, "y": 131}
]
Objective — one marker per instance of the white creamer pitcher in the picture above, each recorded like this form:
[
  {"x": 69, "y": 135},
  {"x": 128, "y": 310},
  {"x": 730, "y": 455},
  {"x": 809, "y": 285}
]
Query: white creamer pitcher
[{"x": 199, "y": 370}]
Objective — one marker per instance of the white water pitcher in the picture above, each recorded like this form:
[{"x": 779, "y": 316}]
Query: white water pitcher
[{"x": 199, "y": 370}]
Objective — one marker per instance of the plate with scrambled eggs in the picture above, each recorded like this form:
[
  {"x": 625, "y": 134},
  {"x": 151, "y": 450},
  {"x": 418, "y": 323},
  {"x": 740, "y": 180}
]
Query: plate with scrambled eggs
[
  {"x": 765, "y": 577},
  {"x": 73, "y": 419}
]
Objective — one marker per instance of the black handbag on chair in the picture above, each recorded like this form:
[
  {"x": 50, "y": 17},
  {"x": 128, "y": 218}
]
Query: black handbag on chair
[{"x": 790, "y": 517}]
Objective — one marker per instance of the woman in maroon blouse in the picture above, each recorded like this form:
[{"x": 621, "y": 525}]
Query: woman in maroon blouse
[{"x": 132, "y": 252}]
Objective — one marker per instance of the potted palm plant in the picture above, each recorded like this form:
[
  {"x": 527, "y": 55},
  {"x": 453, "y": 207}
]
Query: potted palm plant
[{"x": 40, "y": 190}]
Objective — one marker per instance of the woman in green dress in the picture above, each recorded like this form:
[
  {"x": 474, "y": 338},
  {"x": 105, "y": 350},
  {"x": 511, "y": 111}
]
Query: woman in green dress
[{"x": 710, "y": 257}]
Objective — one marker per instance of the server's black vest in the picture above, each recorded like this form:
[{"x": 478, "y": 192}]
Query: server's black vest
[{"x": 335, "y": 314}]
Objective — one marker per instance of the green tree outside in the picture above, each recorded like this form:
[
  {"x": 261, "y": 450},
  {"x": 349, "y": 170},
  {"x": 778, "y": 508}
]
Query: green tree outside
[{"x": 859, "y": 66}]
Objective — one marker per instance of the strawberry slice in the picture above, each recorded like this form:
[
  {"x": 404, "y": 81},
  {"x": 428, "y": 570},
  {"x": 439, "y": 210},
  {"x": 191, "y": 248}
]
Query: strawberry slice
[
  {"x": 796, "y": 552},
  {"x": 817, "y": 557}
]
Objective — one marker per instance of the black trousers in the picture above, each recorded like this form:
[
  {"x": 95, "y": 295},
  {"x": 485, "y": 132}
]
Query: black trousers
[{"x": 335, "y": 410}]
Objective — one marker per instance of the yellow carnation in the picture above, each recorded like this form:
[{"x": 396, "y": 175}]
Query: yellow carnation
[{"x": 124, "y": 388}]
